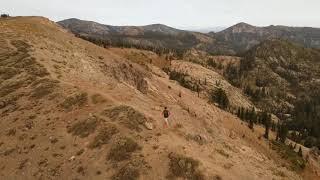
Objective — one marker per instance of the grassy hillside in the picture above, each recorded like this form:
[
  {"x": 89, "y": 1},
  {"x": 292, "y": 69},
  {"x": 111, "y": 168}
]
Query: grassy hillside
[{"x": 73, "y": 110}]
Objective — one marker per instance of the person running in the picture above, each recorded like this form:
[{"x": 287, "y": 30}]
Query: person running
[{"x": 166, "y": 115}]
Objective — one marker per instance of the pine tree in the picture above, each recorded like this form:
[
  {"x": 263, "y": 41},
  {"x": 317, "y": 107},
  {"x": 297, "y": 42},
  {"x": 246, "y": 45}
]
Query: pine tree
[
  {"x": 267, "y": 119},
  {"x": 273, "y": 126},
  {"x": 283, "y": 131},
  {"x": 242, "y": 113},
  {"x": 198, "y": 89},
  {"x": 254, "y": 115},
  {"x": 300, "y": 152},
  {"x": 247, "y": 115},
  {"x": 290, "y": 146},
  {"x": 219, "y": 96},
  {"x": 278, "y": 131},
  {"x": 251, "y": 124},
  {"x": 239, "y": 113}
]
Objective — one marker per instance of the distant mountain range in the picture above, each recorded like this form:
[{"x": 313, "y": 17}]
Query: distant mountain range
[
  {"x": 149, "y": 37},
  {"x": 233, "y": 40},
  {"x": 80, "y": 26},
  {"x": 243, "y": 36}
]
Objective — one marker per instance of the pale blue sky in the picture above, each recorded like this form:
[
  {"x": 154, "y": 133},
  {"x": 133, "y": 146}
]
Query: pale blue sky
[{"x": 176, "y": 13}]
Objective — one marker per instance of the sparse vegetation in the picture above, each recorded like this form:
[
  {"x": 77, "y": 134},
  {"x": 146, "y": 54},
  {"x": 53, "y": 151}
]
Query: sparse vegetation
[
  {"x": 83, "y": 128},
  {"x": 223, "y": 153},
  {"x": 297, "y": 163},
  {"x": 32, "y": 67},
  {"x": 266, "y": 118},
  {"x": 282, "y": 132},
  {"x": 255, "y": 93},
  {"x": 253, "y": 117},
  {"x": 8, "y": 72},
  {"x": 219, "y": 96},
  {"x": 126, "y": 115},
  {"x": 43, "y": 87},
  {"x": 18, "y": 70},
  {"x": 183, "y": 78},
  {"x": 11, "y": 86},
  {"x": 278, "y": 173},
  {"x": 127, "y": 172},
  {"x": 104, "y": 136},
  {"x": 75, "y": 100},
  {"x": 197, "y": 138},
  {"x": 98, "y": 99},
  {"x": 181, "y": 166},
  {"x": 232, "y": 73},
  {"x": 300, "y": 152},
  {"x": 122, "y": 149}
]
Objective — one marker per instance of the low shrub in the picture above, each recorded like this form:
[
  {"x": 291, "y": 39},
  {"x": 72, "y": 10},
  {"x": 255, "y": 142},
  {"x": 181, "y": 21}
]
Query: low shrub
[
  {"x": 184, "y": 167},
  {"x": 122, "y": 149},
  {"x": 126, "y": 115},
  {"x": 43, "y": 87},
  {"x": 104, "y": 136},
  {"x": 75, "y": 100},
  {"x": 83, "y": 128},
  {"x": 11, "y": 86},
  {"x": 98, "y": 99},
  {"x": 128, "y": 172}
]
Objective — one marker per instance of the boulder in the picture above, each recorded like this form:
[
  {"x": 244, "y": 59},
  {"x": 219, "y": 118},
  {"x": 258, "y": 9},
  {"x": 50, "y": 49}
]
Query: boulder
[{"x": 148, "y": 125}]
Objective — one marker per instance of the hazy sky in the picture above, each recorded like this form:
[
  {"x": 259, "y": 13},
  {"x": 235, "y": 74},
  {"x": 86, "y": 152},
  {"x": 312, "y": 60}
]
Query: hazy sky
[{"x": 176, "y": 13}]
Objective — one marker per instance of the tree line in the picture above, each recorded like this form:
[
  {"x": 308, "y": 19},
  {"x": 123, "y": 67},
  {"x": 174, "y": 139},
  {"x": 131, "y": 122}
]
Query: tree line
[
  {"x": 5, "y": 15},
  {"x": 122, "y": 42}
]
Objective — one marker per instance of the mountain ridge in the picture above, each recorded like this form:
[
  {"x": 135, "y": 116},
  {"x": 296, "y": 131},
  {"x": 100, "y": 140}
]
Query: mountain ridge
[
  {"x": 233, "y": 40},
  {"x": 242, "y": 36},
  {"x": 149, "y": 27}
]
